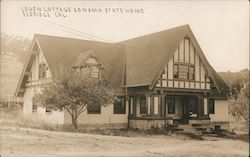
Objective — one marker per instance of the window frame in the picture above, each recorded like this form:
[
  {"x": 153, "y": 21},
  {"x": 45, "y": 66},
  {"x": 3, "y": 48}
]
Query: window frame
[
  {"x": 42, "y": 71},
  {"x": 120, "y": 103},
  {"x": 48, "y": 110},
  {"x": 191, "y": 74},
  {"x": 34, "y": 108},
  {"x": 97, "y": 111},
  {"x": 211, "y": 102},
  {"x": 176, "y": 71},
  {"x": 183, "y": 71},
  {"x": 170, "y": 104},
  {"x": 179, "y": 71},
  {"x": 94, "y": 71},
  {"x": 193, "y": 106}
]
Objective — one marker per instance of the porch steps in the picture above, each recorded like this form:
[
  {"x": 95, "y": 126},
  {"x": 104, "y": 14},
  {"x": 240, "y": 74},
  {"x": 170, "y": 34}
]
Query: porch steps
[{"x": 187, "y": 128}]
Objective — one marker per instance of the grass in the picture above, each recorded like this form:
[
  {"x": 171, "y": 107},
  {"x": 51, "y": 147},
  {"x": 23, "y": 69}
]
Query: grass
[{"x": 15, "y": 117}]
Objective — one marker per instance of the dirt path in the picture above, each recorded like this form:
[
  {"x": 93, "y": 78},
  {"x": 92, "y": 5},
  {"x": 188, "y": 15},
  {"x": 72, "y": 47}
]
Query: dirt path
[{"x": 23, "y": 142}]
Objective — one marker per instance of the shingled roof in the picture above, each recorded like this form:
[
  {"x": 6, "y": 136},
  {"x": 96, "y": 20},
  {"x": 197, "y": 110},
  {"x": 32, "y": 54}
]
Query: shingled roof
[{"x": 131, "y": 63}]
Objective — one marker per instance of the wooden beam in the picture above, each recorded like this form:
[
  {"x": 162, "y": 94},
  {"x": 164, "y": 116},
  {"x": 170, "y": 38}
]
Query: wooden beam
[
  {"x": 21, "y": 90},
  {"x": 34, "y": 52},
  {"x": 27, "y": 73}
]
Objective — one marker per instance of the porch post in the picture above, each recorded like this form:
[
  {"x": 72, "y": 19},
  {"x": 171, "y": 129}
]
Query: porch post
[
  {"x": 152, "y": 105},
  {"x": 148, "y": 100},
  {"x": 135, "y": 105}
]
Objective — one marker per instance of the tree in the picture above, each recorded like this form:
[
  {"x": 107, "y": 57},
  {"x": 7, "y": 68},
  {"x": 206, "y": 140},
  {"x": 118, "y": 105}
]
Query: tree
[
  {"x": 239, "y": 104},
  {"x": 73, "y": 91}
]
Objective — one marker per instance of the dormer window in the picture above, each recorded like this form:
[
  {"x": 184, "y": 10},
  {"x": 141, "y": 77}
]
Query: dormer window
[
  {"x": 88, "y": 64},
  {"x": 94, "y": 72}
]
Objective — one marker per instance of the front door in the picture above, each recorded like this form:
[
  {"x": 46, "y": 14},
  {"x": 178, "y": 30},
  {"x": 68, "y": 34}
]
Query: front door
[
  {"x": 189, "y": 108},
  {"x": 185, "y": 111}
]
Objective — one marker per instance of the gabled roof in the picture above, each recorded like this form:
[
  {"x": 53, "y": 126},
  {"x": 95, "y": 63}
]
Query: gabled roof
[
  {"x": 81, "y": 58},
  {"x": 131, "y": 63},
  {"x": 155, "y": 50},
  {"x": 147, "y": 55}
]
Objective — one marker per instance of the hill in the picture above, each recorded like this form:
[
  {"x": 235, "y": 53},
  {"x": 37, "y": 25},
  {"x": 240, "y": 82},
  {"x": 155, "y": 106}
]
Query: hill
[
  {"x": 13, "y": 53},
  {"x": 234, "y": 78}
]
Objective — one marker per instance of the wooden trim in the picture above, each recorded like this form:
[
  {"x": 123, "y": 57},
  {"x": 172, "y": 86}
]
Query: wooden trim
[
  {"x": 21, "y": 90},
  {"x": 194, "y": 70},
  {"x": 200, "y": 70},
  {"x": 183, "y": 90},
  {"x": 189, "y": 59},
  {"x": 28, "y": 73},
  {"x": 152, "y": 105},
  {"x": 135, "y": 105},
  {"x": 189, "y": 51},
  {"x": 184, "y": 50}
]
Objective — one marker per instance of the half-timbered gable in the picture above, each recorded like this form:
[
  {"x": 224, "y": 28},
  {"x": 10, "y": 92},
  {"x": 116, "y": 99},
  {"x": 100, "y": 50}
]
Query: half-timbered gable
[{"x": 185, "y": 69}]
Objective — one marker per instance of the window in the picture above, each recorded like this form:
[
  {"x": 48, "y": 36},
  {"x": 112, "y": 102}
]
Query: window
[
  {"x": 183, "y": 71},
  {"x": 34, "y": 108},
  {"x": 192, "y": 105},
  {"x": 143, "y": 106},
  {"x": 120, "y": 106},
  {"x": 92, "y": 108},
  {"x": 171, "y": 105},
  {"x": 158, "y": 83},
  {"x": 211, "y": 106},
  {"x": 207, "y": 78},
  {"x": 48, "y": 110},
  {"x": 191, "y": 73},
  {"x": 42, "y": 70},
  {"x": 94, "y": 72},
  {"x": 176, "y": 71}
]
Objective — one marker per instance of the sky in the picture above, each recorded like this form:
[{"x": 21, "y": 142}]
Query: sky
[{"x": 220, "y": 27}]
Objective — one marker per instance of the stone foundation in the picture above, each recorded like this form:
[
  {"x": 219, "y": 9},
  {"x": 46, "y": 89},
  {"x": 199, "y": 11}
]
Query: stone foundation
[
  {"x": 149, "y": 123},
  {"x": 223, "y": 124},
  {"x": 202, "y": 122}
]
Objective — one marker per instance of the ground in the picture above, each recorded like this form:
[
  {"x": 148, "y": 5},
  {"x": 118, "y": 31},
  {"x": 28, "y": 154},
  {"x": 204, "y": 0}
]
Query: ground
[{"x": 26, "y": 142}]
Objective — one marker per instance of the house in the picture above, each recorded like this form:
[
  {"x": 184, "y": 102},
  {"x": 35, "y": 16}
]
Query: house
[{"x": 160, "y": 78}]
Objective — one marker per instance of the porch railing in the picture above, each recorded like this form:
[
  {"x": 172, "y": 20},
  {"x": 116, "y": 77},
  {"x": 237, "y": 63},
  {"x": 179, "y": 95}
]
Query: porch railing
[{"x": 38, "y": 82}]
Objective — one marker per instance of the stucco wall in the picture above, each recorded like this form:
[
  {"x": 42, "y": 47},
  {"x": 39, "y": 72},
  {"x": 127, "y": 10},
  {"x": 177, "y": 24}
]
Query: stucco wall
[
  {"x": 52, "y": 117},
  {"x": 220, "y": 111},
  {"x": 105, "y": 118},
  {"x": 27, "y": 100}
]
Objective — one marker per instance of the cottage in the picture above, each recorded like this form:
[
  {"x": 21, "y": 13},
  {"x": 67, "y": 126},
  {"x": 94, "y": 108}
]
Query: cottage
[{"x": 160, "y": 78}]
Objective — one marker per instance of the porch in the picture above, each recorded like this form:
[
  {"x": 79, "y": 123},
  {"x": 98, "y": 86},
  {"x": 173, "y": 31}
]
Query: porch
[{"x": 147, "y": 111}]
